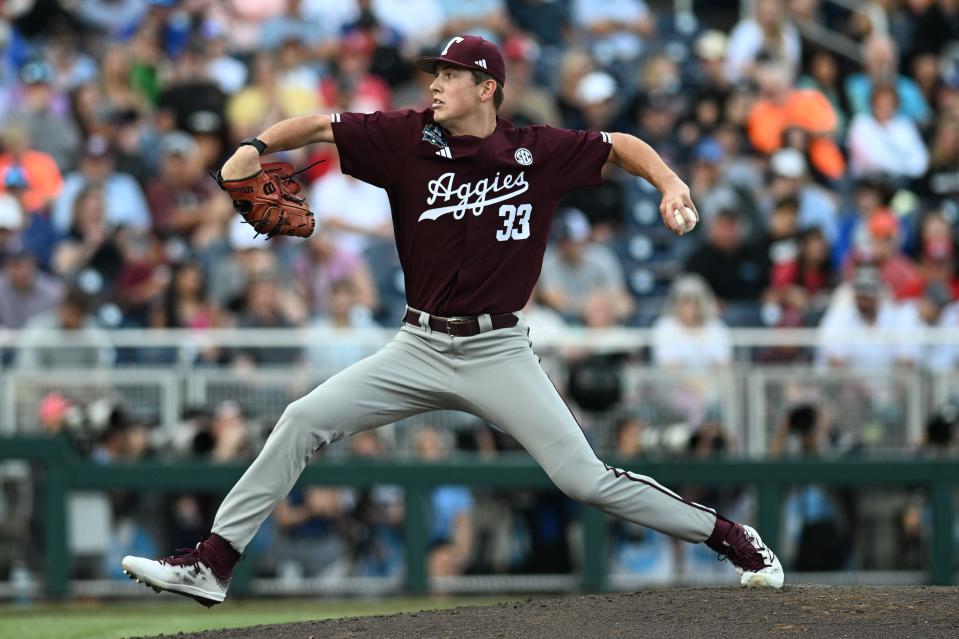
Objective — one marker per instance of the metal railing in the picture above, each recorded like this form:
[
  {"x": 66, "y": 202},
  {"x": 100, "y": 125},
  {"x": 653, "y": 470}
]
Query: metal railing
[{"x": 64, "y": 473}]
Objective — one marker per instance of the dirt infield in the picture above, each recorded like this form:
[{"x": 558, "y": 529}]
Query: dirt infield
[{"x": 716, "y": 613}]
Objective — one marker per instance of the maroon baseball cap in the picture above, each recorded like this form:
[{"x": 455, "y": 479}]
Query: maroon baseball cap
[{"x": 469, "y": 52}]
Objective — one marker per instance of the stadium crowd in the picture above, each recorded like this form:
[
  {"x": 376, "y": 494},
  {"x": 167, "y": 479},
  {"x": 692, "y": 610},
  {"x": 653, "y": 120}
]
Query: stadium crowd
[{"x": 828, "y": 189}]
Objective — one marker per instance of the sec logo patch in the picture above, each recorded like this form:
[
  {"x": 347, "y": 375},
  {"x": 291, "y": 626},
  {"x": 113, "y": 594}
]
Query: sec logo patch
[{"x": 523, "y": 156}]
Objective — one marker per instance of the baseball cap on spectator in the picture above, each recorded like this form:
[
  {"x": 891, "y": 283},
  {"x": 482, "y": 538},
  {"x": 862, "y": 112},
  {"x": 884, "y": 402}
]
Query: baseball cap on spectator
[
  {"x": 520, "y": 48},
  {"x": 572, "y": 225},
  {"x": 96, "y": 146},
  {"x": 468, "y": 52},
  {"x": 177, "y": 143},
  {"x": 15, "y": 178},
  {"x": 11, "y": 214},
  {"x": 709, "y": 151},
  {"x": 883, "y": 224},
  {"x": 711, "y": 45},
  {"x": 204, "y": 122},
  {"x": 357, "y": 43},
  {"x": 596, "y": 87},
  {"x": 788, "y": 163},
  {"x": 866, "y": 281},
  {"x": 36, "y": 72}
]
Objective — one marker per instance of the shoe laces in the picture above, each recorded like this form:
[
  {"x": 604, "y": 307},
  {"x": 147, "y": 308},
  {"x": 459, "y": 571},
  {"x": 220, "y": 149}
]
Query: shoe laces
[
  {"x": 742, "y": 551},
  {"x": 184, "y": 557}
]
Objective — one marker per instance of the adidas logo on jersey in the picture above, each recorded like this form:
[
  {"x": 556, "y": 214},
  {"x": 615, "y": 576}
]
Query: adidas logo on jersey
[{"x": 445, "y": 153}]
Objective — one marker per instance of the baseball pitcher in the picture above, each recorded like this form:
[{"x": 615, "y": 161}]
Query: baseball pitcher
[{"x": 472, "y": 199}]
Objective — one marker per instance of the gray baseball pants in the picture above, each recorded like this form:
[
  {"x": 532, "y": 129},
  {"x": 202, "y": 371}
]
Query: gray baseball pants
[{"x": 494, "y": 375}]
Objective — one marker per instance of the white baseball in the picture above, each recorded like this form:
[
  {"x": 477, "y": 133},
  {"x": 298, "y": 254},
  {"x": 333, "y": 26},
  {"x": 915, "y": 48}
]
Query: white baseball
[
  {"x": 691, "y": 218},
  {"x": 680, "y": 220}
]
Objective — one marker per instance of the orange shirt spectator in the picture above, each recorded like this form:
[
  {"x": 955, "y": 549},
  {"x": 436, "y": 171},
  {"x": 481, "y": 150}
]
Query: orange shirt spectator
[
  {"x": 781, "y": 108},
  {"x": 42, "y": 176}
]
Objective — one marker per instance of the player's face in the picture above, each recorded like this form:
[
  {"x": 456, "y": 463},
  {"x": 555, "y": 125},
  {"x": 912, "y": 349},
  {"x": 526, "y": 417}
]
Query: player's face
[{"x": 455, "y": 94}]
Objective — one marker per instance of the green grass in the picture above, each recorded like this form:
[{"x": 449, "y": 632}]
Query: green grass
[{"x": 118, "y": 620}]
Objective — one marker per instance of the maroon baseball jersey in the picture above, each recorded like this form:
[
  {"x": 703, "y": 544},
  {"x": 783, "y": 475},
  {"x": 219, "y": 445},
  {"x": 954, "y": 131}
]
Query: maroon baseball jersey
[{"x": 471, "y": 215}]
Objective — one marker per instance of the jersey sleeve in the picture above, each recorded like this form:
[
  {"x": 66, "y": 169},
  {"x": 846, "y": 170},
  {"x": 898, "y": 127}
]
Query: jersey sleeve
[
  {"x": 370, "y": 145},
  {"x": 577, "y": 157}
]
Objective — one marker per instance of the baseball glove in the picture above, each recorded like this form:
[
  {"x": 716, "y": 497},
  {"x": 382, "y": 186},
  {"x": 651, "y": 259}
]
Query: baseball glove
[{"x": 268, "y": 202}]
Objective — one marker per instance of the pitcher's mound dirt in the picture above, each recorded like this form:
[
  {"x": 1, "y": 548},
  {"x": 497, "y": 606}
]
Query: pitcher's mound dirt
[{"x": 693, "y": 613}]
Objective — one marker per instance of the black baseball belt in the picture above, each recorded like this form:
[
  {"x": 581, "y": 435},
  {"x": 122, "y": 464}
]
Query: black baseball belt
[{"x": 461, "y": 326}]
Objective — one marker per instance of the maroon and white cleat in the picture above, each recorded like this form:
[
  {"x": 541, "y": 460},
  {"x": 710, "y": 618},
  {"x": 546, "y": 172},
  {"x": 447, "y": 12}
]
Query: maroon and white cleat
[
  {"x": 754, "y": 561},
  {"x": 182, "y": 573}
]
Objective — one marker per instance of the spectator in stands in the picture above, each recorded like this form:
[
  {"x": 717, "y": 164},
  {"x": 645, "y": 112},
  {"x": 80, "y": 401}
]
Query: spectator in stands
[
  {"x": 596, "y": 96},
  {"x": 451, "y": 511},
  {"x": 125, "y": 203},
  {"x": 525, "y": 102},
  {"x": 617, "y": 29},
  {"x": 42, "y": 178},
  {"x": 711, "y": 187},
  {"x": 823, "y": 76},
  {"x": 574, "y": 268},
  {"x": 881, "y": 69},
  {"x": 184, "y": 200},
  {"x": 313, "y": 526},
  {"x": 89, "y": 346},
  {"x": 48, "y": 131},
  {"x": 934, "y": 309},
  {"x": 90, "y": 248},
  {"x": 690, "y": 335},
  {"x": 343, "y": 311},
  {"x": 322, "y": 266},
  {"x": 766, "y": 35},
  {"x": 354, "y": 213},
  {"x": 850, "y": 334},
  {"x": 881, "y": 141},
  {"x": 486, "y": 18},
  {"x": 802, "y": 282},
  {"x": 937, "y": 250},
  {"x": 871, "y": 194},
  {"x": 712, "y": 88},
  {"x": 734, "y": 269},
  {"x": 800, "y": 118},
  {"x": 11, "y": 220},
  {"x": 418, "y": 23},
  {"x": 264, "y": 308},
  {"x": 789, "y": 178},
  {"x": 25, "y": 291},
  {"x": 881, "y": 249},
  {"x": 190, "y": 101},
  {"x": 355, "y": 87},
  {"x": 942, "y": 180},
  {"x": 185, "y": 303}
]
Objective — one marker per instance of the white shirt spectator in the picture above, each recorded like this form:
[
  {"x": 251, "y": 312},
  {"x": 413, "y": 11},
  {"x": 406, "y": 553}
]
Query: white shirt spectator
[
  {"x": 337, "y": 198},
  {"x": 123, "y": 196},
  {"x": 624, "y": 45},
  {"x": 679, "y": 346},
  {"x": 938, "y": 358},
  {"x": 479, "y": 10},
  {"x": 419, "y": 22},
  {"x": 894, "y": 147},
  {"x": 846, "y": 337},
  {"x": 746, "y": 41}
]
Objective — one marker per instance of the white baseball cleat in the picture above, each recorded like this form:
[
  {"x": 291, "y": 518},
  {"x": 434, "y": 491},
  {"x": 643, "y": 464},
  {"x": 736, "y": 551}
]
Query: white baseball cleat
[
  {"x": 757, "y": 564},
  {"x": 183, "y": 573}
]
